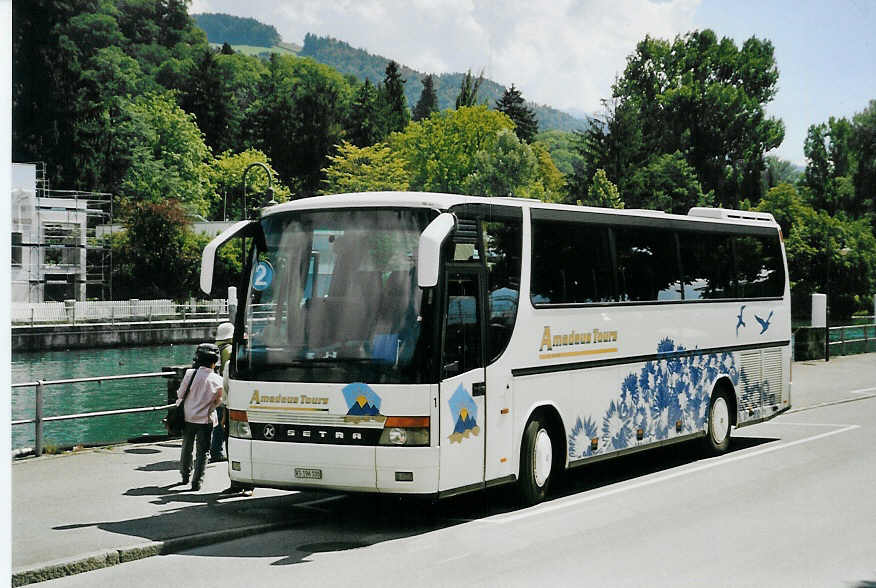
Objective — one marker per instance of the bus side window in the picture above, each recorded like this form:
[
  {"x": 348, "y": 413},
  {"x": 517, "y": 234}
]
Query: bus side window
[
  {"x": 647, "y": 264},
  {"x": 759, "y": 266},
  {"x": 707, "y": 263},
  {"x": 571, "y": 263}
]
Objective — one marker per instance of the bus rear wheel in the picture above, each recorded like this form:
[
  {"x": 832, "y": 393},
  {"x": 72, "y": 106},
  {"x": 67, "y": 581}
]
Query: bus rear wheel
[
  {"x": 718, "y": 433},
  {"x": 536, "y": 463}
]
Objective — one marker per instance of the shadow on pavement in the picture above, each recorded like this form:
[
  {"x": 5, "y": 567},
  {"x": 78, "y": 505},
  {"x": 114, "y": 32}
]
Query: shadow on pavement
[
  {"x": 142, "y": 450},
  {"x": 160, "y": 466},
  {"x": 319, "y": 522}
]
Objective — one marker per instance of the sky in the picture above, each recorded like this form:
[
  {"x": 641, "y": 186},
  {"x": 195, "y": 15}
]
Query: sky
[{"x": 566, "y": 53}]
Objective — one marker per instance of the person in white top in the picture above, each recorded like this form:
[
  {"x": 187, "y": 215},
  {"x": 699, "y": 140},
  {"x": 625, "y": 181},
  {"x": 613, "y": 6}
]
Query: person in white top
[{"x": 199, "y": 400}]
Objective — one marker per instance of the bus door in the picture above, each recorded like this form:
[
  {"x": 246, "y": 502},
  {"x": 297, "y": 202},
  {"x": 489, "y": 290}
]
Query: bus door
[{"x": 463, "y": 385}]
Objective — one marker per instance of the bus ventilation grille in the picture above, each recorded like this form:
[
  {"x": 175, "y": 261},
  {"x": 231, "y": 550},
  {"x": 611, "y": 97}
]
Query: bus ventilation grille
[
  {"x": 466, "y": 231},
  {"x": 761, "y": 381}
]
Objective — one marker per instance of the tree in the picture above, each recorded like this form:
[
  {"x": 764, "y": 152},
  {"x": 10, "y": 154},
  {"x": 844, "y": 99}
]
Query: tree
[
  {"x": 226, "y": 177},
  {"x": 778, "y": 171},
  {"x": 392, "y": 98},
  {"x": 163, "y": 153},
  {"x": 506, "y": 167},
  {"x": 70, "y": 58},
  {"x": 603, "y": 192},
  {"x": 561, "y": 147},
  {"x": 613, "y": 143},
  {"x": 428, "y": 102},
  {"x": 206, "y": 97},
  {"x": 832, "y": 167},
  {"x": 864, "y": 144},
  {"x": 667, "y": 183},
  {"x": 240, "y": 75},
  {"x": 551, "y": 182},
  {"x": 697, "y": 96},
  {"x": 468, "y": 90},
  {"x": 810, "y": 237},
  {"x": 364, "y": 126},
  {"x": 365, "y": 169},
  {"x": 525, "y": 123},
  {"x": 297, "y": 119},
  {"x": 440, "y": 151},
  {"x": 157, "y": 256}
]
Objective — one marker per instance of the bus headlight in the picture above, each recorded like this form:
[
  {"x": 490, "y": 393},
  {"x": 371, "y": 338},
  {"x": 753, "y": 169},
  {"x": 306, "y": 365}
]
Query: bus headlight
[
  {"x": 407, "y": 431},
  {"x": 238, "y": 424}
]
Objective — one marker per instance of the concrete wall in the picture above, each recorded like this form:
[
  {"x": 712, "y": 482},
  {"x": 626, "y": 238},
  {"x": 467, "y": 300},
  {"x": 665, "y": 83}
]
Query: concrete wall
[{"x": 59, "y": 337}]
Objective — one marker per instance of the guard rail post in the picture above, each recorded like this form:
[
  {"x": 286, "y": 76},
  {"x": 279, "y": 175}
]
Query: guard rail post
[{"x": 38, "y": 421}]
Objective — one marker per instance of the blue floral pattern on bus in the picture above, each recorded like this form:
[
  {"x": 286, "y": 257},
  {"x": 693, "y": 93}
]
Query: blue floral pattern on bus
[{"x": 665, "y": 391}]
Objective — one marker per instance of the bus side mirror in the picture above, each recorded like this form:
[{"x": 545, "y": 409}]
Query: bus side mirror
[
  {"x": 429, "y": 257},
  {"x": 245, "y": 228}
]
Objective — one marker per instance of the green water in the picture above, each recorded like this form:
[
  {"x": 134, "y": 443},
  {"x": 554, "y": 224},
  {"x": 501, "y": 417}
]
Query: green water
[{"x": 93, "y": 396}]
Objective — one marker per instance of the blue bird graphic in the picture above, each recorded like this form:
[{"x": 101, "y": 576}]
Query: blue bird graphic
[
  {"x": 764, "y": 323},
  {"x": 741, "y": 322}
]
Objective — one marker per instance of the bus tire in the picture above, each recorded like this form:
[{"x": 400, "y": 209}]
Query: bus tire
[
  {"x": 536, "y": 463},
  {"x": 718, "y": 424}
]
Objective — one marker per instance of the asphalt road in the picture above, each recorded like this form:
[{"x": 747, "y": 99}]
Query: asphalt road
[{"x": 792, "y": 504}]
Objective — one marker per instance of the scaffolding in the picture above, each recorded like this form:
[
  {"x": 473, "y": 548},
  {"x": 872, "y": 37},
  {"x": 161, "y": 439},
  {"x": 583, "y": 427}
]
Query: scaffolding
[{"x": 58, "y": 250}]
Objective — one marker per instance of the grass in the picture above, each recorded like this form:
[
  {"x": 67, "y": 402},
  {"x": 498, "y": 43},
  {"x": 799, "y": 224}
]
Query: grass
[{"x": 253, "y": 50}]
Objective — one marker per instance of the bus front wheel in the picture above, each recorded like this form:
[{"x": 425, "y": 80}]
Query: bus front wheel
[
  {"x": 718, "y": 433},
  {"x": 536, "y": 465}
]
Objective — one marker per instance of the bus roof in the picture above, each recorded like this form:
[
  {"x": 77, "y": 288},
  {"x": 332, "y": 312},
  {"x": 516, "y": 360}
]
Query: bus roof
[{"x": 440, "y": 201}]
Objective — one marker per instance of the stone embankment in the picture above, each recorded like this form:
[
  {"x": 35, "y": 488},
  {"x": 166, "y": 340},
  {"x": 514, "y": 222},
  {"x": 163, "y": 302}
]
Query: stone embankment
[{"x": 90, "y": 335}]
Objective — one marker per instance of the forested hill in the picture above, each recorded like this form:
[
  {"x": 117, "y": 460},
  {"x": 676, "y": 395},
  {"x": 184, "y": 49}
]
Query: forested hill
[
  {"x": 363, "y": 65},
  {"x": 234, "y": 30}
]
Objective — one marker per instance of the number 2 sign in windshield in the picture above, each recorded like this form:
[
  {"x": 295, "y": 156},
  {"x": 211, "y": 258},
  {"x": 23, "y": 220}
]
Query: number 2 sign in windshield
[{"x": 263, "y": 276}]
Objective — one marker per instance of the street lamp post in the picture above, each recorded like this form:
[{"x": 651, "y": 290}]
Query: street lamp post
[{"x": 270, "y": 190}]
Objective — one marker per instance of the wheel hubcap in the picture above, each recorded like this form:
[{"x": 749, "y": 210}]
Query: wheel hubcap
[
  {"x": 543, "y": 458},
  {"x": 719, "y": 423}
]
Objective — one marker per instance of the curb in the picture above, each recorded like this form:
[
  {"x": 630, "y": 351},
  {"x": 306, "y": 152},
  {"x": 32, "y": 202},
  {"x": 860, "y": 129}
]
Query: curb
[
  {"x": 831, "y": 403},
  {"x": 111, "y": 557}
]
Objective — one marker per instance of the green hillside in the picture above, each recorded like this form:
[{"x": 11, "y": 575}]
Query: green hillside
[
  {"x": 363, "y": 65},
  {"x": 257, "y": 51},
  {"x": 247, "y": 35},
  {"x": 234, "y": 30}
]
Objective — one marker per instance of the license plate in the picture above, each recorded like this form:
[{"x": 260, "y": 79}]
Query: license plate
[{"x": 308, "y": 473}]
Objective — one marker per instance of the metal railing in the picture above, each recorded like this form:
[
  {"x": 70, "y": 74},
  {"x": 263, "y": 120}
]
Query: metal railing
[
  {"x": 853, "y": 335},
  {"x": 39, "y": 419},
  {"x": 115, "y": 311}
]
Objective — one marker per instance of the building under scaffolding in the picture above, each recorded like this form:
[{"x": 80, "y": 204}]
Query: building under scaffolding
[{"x": 56, "y": 251}]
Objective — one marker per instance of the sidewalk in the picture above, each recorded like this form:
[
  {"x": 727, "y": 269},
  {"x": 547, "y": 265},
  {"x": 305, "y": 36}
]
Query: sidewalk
[{"x": 99, "y": 507}]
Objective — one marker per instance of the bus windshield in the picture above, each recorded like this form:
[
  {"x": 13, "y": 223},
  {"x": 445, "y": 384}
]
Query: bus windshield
[{"x": 335, "y": 298}]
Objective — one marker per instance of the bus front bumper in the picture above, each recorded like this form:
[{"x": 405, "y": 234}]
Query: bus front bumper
[{"x": 391, "y": 470}]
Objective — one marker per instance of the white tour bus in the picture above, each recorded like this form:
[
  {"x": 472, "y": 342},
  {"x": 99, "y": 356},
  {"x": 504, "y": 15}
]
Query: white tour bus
[{"x": 435, "y": 344}]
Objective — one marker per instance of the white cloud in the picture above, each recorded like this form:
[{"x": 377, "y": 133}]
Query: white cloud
[{"x": 564, "y": 53}]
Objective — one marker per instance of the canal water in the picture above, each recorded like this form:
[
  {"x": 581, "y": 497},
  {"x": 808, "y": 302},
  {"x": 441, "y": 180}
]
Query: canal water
[{"x": 92, "y": 396}]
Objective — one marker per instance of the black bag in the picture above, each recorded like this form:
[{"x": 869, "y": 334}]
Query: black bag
[{"x": 176, "y": 415}]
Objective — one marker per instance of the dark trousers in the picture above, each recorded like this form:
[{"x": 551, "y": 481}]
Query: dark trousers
[
  {"x": 220, "y": 434},
  {"x": 197, "y": 436}
]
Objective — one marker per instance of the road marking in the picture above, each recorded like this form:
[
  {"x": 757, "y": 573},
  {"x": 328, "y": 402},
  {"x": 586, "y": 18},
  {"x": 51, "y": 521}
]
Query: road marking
[
  {"x": 563, "y": 503},
  {"x": 862, "y": 391},
  {"x": 811, "y": 424},
  {"x": 311, "y": 505}
]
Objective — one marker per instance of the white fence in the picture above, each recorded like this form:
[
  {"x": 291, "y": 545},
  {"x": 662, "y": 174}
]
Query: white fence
[{"x": 31, "y": 313}]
